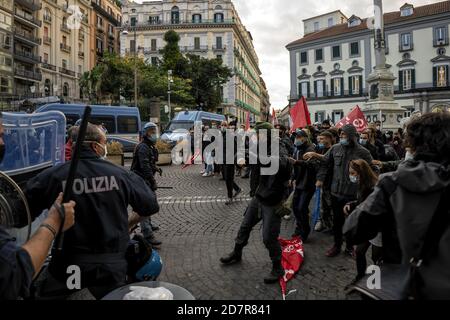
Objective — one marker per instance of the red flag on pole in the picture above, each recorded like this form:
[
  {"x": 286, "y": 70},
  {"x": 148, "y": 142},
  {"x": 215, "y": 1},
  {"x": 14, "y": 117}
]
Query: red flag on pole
[
  {"x": 291, "y": 260},
  {"x": 247, "y": 121},
  {"x": 356, "y": 117},
  {"x": 300, "y": 115}
]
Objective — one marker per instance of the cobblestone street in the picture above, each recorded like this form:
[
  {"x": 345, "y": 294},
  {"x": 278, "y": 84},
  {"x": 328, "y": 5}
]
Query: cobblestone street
[{"x": 197, "y": 228}]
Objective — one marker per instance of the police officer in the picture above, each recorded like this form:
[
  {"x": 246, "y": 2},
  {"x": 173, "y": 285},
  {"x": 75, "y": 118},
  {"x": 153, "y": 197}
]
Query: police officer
[
  {"x": 18, "y": 265},
  {"x": 103, "y": 191},
  {"x": 144, "y": 164}
]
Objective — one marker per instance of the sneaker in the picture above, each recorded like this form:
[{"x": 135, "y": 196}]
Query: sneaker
[
  {"x": 202, "y": 172},
  {"x": 229, "y": 201},
  {"x": 205, "y": 175},
  {"x": 333, "y": 252},
  {"x": 232, "y": 258},
  {"x": 350, "y": 252},
  {"x": 319, "y": 226},
  {"x": 153, "y": 241},
  {"x": 287, "y": 217},
  {"x": 275, "y": 274}
]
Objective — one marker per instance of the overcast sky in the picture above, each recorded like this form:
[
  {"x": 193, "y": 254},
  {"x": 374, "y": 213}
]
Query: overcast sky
[{"x": 275, "y": 23}]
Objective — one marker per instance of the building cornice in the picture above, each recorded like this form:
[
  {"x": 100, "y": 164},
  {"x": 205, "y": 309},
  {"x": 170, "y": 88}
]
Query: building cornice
[
  {"x": 406, "y": 62},
  {"x": 442, "y": 58}
]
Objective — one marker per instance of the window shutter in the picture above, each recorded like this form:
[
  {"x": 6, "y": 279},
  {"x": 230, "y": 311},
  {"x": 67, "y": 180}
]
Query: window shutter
[
  {"x": 299, "y": 90},
  {"x": 350, "y": 86},
  {"x": 342, "y": 86},
  {"x": 413, "y": 78},
  {"x": 361, "y": 86},
  {"x": 324, "y": 88},
  {"x": 332, "y": 88},
  {"x": 309, "y": 90},
  {"x": 315, "y": 88},
  {"x": 435, "y": 76},
  {"x": 316, "y": 117},
  {"x": 448, "y": 76},
  {"x": 400, "y": 81}
]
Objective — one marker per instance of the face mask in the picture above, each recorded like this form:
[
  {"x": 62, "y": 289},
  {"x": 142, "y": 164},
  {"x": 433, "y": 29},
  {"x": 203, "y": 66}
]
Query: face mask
[
  {"x": 388, "y": 136},
  {"x": 353, "y": 179},
  {"x": 409, "y": 156},
  {"x": 321, "y": 146},
  {"x": 298, "y": 143},
  {"x": 344, "y": 142},
  {"x": 153, "y": 138},
  {"x": 105, "y": 149},
  {"x": 214, "y": 127},
  {"x": 224, "y": 129},
  {"x": 363, "y": 141},
  {"x": 378, "y": 127},
  {"x": 2, "y": 152}
]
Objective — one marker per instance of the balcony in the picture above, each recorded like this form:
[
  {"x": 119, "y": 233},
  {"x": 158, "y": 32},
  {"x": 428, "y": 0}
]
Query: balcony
[
  {"x": 26, "y": 36},
  {"x": 440, "y": 42},
  {"x": 111, "y": 35},
  {"x": 47, "y": 18},
  {"x": 100, "y": 28},
  {"x": 27, "y": 56},
  {"x": 81, "y": 55},
  {"x": 151, "y": 50},
  {"x": 6, "y": 5},
  {"x": 64, "y": 47},
  {"x": 194, "y": 49},
  {"x": 47, "y": 40},
  {"x": 182, "y": 23},
  {"x": 48, "y": 66},
  {"x": 105, "y": 13},
  {"x": 33, "y": 5},
  {"x": 27, "y": 18},
  {"x": 219, "y": 48},
  {"x": 67, "y": 72},
  {"x": 80, "y": 36},
  {"x": 404, "y": 48},
  {"x": 28, "y": 74},
  {"x": 65, "y": 28}
]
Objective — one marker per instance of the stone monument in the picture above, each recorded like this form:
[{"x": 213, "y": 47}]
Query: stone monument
[{"x": 381, "y": 105}]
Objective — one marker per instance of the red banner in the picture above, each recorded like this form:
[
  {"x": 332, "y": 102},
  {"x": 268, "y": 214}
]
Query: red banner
[
  {"x": 291, "y": 260},
  {"x": 356, "y": 117},
  {"x": 300, "y": 115}
]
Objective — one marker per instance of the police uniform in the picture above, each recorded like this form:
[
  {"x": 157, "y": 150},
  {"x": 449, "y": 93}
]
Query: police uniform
[
  {"x": 98, "y": 241},
  {"x": 144, "y": 162},
  {"x": 16, "y": 268}
]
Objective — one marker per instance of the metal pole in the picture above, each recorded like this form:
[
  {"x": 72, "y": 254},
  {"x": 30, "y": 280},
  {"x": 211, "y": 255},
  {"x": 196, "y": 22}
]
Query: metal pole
[
  {"x": 135, "y": 70},
  {"x": 168, "y": 93}
]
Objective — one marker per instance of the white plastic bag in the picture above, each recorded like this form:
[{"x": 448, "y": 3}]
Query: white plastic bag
[{"x": 144, "y": 293}]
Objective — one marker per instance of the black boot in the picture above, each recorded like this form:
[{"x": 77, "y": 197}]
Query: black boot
[
  {"x": 152, "y": 240},
  {"x": 233, "y": 257},
  {"x": 275, "y": 274}
]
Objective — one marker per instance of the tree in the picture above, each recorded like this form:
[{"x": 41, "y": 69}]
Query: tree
[{"x": 172, "y": 58}]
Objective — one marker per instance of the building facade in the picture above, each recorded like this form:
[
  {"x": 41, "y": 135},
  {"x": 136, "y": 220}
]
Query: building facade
[
  {"x": 330, "y": 67},
  {"x": 211, "y": 29},
  {"x": 6, "y": 51}
]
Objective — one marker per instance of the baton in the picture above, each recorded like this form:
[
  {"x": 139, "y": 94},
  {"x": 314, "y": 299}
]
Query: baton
[{"x": 68, "y": 190}]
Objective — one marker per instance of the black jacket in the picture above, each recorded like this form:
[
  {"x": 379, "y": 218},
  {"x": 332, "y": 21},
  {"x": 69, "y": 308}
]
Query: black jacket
[
  {"x": 102, "y": 192},
  {"x": 16, "y": 269},
  {"x": 144, "y": 162},
  {"x": 401, "y": 207},
  {"x": 304, "y": 173}
]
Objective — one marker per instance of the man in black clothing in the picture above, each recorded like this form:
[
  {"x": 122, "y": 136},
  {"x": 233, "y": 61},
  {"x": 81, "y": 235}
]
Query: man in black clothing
[
  {"x": 264, "y": 206},
  {"x": 228, "y": 168},
  {"x": 102, "y": 191}
]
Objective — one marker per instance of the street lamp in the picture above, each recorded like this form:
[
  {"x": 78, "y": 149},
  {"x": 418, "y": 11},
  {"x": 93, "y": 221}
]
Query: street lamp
[
  {"x": 125, "y": 33},
  {"x": 169, "y": 81}
]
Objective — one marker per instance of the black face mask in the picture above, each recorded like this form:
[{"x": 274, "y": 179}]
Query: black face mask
[{"x": 2, "y": 152}]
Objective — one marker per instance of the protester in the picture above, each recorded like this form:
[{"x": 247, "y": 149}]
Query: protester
[
  {"x": 102, "y": 192},
  {"x": 410, "y": 208},
  {"x": 367, "y": 141},
  {"x": 229, "y": 168},
  {"x": 70, "y": 139},
  {"x": 304, "y": 178},
  {"x": 397, "y": 144},
  {"x": 342, "y": 190},
  {"x": 326, "y": 125},
  {"x": 362, "y": 175}
]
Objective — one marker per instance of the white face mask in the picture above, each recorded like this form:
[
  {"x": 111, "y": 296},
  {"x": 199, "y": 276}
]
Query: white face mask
[
  {"x": 105, "y": 149},
  {"x": 409, "y": 156}
]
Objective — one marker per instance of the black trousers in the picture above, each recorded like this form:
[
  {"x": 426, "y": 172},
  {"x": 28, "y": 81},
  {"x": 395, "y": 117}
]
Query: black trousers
[
  {"x": 301, "y": 201},
  {"x": 256, "y": 211},
  {"x": 361, "y": 263},
  {"x": 338, "y": 205},
  {"x": 229, "y": 179}
]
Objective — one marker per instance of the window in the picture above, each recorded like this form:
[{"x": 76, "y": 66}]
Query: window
[
  {"x": 100, "y": 21},
  {"x": 196, "y": 43},
  {"x": 99, "y": 45},
  {"x": 218, "y": 17},
  {"x": 175, "y": 15},
  {"x": 316, "y": 26},
  {"x": 133, "y": 21},
  {"x": 219, "y": 56},
  {"x": 66, "y": 89},
  {"x": 127, "y": 124},
  {"x": 107, "y": 121},
  {"x": 405, "y": 41},
  {"x": 337, "y": 115},
  {"x": 219, "y": 42},
  {"x": 330, "y": 22},
  {"x": 319, "y": 116},
  {"x": 110, "y": 29},
  {"x": 132, "y": 45},
  {"x": 320, "y": 84},
  {"x": 319, "y": 55},
  {"x": 154, "y": 19},
  {"x": 64, "y": 63},
  {"x": 303, "y": 89},
  {"x": 47, "y": 86},
  {"x": 154, "y": 45},
  {"x": 336, "y": 52},
  {"x": 197, "y": 18},
  {"x": 441, "y": 75},
  {"x": 337, "y": 83},
  {"x": 45, "y": 32},
  {"x": 64, "y": 40},
  {"x": 354, "y": 49},
  {"x": 5, "y": 85},
  {"x": 407, "y": 79},
  {"x": 80, "y": 69},
  {"x": 354, "y": 22},
  {"x": 407, "y": 11},
  {"x": 304, "y": 57},
  {"x": 440, "y": 36},
  {"x": 154, "y": 61},
  {"x": 45, "y": 57},
  {"x": 355, "y": 85}
]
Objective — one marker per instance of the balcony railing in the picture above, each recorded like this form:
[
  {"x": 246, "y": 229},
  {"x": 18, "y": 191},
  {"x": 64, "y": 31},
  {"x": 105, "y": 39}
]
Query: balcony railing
[
  {"x": 149, "y": 50},
  {"x": 28, "y": 74},
  {"x": 81, "y": 55},
  {"x": 28, "y": 56},
  {"x": 33, "y": 5},
  {"x": 65, "y": 28},
  {"x": 65, "y": 47},
  {"x": 80, "y": 36},
  {"x": 100, "y": 28},
  {"x": 7, "y": 4},
  {"x": 48, "y": 66},
  {"x": 47, "y": 18},
  {"x": 47, "y": 40},
  {"x": 66, "y": 71},
  {"x": 219, "y": 48},
  {"x": 105, "y": 13},
  {"x": 27, "y": 17},
  {"x": 182, "y": 22},
  {"x": 194, "y": 49},
  {"x": 27, "y": 36}
]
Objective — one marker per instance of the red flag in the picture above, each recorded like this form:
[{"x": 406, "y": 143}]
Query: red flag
[
  {"x": 191, "y": 160},
  {"x": 291, "y": 260},
  {"x": 300, "y": 115},
  {"x": 357, "y": 118},
  {"x": 247, "y": 121},
  {"x": 274, "y": 118}
]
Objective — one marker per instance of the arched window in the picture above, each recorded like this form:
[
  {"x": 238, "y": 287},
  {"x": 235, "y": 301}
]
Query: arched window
[
  {"x": 218, "y": 17},
  {"x": 197, "y": 18},
  {"x": 47, "y": 87},
  {"x": 47, "y": 15},
  {"x": 175, "y": 15},
  {"x": 66, "y": 89}
]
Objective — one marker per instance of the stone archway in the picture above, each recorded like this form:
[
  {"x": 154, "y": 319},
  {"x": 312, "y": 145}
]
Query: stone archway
[{"x": 440, "y": 108}]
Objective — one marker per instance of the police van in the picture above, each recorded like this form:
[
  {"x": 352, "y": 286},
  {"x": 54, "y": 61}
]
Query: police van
[
  {"x": 185, "y": 121},
  {"x": 120, "y": 122}
]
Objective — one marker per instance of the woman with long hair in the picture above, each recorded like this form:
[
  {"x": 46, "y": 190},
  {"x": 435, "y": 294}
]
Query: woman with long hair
[{"x": 362, "y": 174}]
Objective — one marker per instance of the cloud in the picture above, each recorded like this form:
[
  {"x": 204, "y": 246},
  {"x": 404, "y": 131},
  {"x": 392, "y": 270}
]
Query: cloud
[{"x": 275, "y": 23}]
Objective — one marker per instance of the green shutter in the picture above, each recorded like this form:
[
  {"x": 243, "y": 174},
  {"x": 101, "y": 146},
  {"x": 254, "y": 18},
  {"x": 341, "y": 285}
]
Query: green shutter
[
  {"x": 413, "y": 79},
  {"x": 350, "y": 88},
  {"x": 342, "y": 86},
  {"x": 300, "y": 90},
  {"x": 332, "y": 88},
  {"x": 315, "y": 88},
  {"x": 400, "y": 81},
  {"x": 361, "y": 86},
  {"x": 435, "y": 69},
  {"x": 448, "y": 76},
  {"x": 309, "y": 90}
]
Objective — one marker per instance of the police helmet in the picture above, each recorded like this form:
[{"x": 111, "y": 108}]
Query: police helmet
[
  {"x": 149, "y": 125},
  {"x": 151, "y": 269}
]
